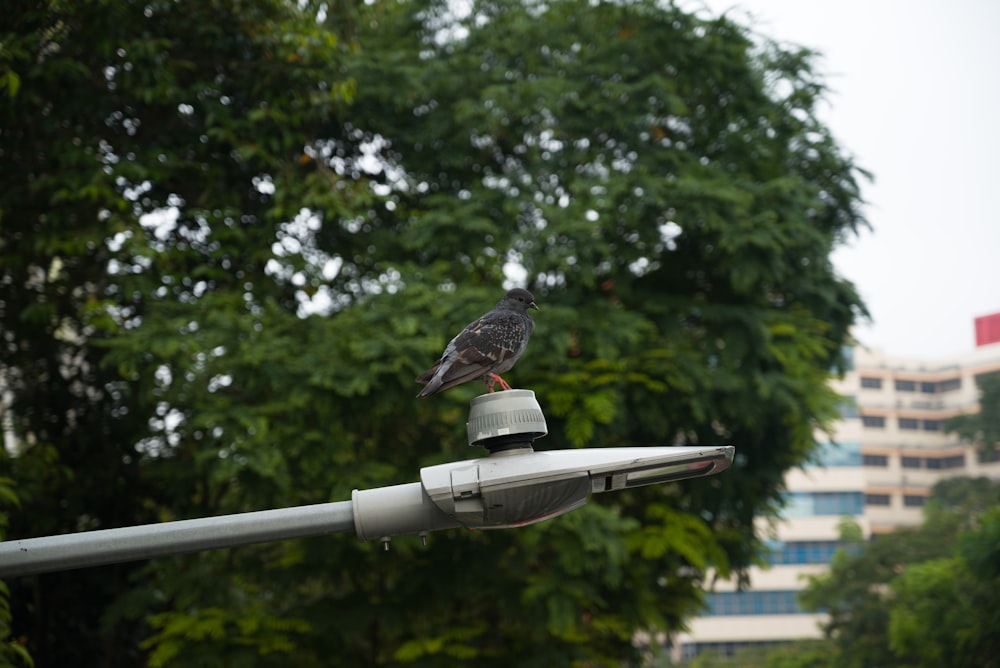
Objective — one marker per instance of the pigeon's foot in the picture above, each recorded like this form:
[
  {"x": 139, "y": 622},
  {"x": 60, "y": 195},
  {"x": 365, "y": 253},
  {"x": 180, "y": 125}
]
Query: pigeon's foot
[{"x": 494, "y": 378}]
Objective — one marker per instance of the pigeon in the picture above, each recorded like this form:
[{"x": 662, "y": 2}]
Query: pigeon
[{"x": 486, "y": 348}]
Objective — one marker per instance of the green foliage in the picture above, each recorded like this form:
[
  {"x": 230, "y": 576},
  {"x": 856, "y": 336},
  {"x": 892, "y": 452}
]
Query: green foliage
[
  {"x": 925, "y": 596},
  {"x": 237, "y": 230},
  {"x": 798, "y": 654},
  {"x": 983, "y": 426},
  {"x": 12, "y": 650},
  {"x": 244, "y": 636},
  {"x": 946, "y": 610},
  {"x": 922, "y": 589}
]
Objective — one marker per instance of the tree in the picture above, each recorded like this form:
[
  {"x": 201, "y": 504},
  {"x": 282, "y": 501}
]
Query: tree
[
  {"x": 238, "y": 232},
  {"x": 923, "y": 596},
  {"x": 945, "y": 610},
  {"x": 982, "y": 427},
  {"x": 112, "y": 111}
]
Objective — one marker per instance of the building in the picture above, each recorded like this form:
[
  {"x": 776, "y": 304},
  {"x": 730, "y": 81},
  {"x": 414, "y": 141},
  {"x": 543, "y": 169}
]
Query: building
[{"x": 890, "y": 449}]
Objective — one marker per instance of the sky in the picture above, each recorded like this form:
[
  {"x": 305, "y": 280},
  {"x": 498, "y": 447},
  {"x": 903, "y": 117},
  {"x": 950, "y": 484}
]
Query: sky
[{"x": 915, "y": 99}]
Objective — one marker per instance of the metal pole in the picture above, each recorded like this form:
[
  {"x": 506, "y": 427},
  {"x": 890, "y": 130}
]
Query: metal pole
[{"x": 94, "y": 548}]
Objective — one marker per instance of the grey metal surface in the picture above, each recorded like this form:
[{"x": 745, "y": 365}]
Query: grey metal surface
[
  {"x": 517, "y": 487},
  {"x": 384, "y": 512},
  {"x": 505, "y": 414},
  {"x": 93, "y": 548}
]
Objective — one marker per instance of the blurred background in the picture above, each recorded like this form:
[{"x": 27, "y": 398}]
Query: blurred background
[{"x": 232, "y": 233}]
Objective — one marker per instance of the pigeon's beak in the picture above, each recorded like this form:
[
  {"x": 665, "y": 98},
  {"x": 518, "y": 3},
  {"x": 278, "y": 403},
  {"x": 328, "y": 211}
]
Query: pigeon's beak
[{"x": 534, "y": 306}]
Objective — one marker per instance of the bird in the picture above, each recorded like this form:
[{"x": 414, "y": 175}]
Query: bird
[{"x": 487, "y": 347}]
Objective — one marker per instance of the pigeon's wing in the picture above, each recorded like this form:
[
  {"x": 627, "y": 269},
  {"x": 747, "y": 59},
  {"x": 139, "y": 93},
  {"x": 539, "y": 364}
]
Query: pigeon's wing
[{"x": 494, "y": 341}]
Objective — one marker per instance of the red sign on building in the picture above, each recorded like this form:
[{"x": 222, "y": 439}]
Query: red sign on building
[{"x": 988, "y": 329}]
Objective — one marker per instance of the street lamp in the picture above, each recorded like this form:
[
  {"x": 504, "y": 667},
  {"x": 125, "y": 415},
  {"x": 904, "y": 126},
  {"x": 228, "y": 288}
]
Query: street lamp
[{"x": 513, "y": 486}]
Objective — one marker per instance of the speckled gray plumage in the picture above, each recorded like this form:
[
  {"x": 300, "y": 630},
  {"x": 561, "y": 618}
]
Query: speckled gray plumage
[{"x": 487, "y": 347}]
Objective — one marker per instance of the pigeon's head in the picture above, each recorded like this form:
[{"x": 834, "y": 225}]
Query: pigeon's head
[{"x": 518, "y": 299}]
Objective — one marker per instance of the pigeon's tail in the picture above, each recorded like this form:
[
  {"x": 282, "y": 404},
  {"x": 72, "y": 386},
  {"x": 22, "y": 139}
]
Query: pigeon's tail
[
  {"x": 432, "y": 380},
  {"x": 447, "y": 374},
  {"x": 430, "y": 388}
]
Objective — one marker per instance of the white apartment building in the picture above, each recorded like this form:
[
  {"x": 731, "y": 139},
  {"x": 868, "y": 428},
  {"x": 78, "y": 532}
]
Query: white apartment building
[{"x": 890, "y": 450}]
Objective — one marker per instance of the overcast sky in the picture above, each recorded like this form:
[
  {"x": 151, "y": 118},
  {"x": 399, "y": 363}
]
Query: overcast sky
[{"x": 915, "y": 98}]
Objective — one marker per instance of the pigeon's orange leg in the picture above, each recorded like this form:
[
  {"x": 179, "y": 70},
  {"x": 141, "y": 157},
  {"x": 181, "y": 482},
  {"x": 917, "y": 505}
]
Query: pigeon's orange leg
[{"x": 497, "y": 379}]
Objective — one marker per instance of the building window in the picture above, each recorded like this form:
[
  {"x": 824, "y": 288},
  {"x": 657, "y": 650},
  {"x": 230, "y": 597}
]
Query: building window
[
  {"x": 840, "y": 454},
  {"x": 752, "y": 603},
  {"x": 848, "y": 408},
  {"x": 871, "y": 383},
  {"x": 876, "y": 499},
  {"x": 906, "y": 386},
  {"x": 874, "y": 421},
  {"x": 690, "y": 650},
  {"x": 932, "y": 425},
  {"x": 875, "y": 460},
  {"x": 949, "y": 385},
  {"x": 928, "y": 388},
  {"x": 913, "y": 501},
  {"x": 910, "y": 462},
  {"x": 909, "y": 423},
  {"x": 837, "y": 503},
  {"x": 806, "y": 551},
  {"x": 953, "y": 462},
  {"x": 811, "y": 504}
]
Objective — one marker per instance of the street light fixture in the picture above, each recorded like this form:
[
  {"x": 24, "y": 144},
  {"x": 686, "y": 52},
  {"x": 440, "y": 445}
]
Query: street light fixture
[{"x": 513, "y": 486}]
